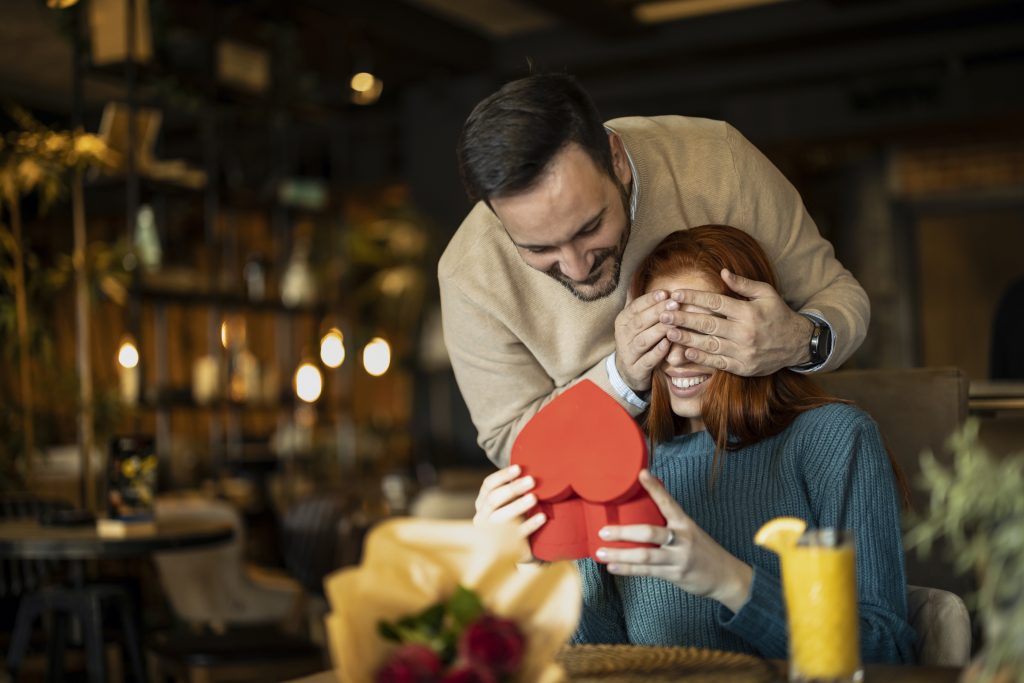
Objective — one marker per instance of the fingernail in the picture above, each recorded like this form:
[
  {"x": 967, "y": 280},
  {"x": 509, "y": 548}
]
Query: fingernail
[
  {"x": 659, "y": 296},
  {"x": 528, "y": 481},
  {"x": 665, "y": 318},
  {"x": 674, "y": 335},
  {"x": 516, "y": 469},
  {"x": 604, "y": 533},
  {"x": 532, "y": 499},
  {"x": 672, "y": 306},
  {"x": 663, "y": 344},
  {"x": 613, "y": 568},
  {"x": 602, "y": 554},
  {"x": 541, "y": 517},
  {"x": 691, "y": 354}
]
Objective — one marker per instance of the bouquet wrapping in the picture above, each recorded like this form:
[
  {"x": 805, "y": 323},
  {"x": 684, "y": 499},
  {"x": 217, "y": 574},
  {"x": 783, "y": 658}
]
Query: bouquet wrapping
[{"x": 410, "y": 564}]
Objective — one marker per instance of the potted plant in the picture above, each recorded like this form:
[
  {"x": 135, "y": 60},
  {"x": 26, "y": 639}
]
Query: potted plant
[{"x": 978, "y": 505}]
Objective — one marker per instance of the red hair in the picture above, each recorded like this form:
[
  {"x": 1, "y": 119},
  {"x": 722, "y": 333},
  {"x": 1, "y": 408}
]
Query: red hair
[{"x": 737, "y": 411}]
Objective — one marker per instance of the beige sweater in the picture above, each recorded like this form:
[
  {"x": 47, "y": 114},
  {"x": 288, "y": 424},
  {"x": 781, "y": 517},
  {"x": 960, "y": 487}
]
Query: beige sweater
[{"x": 517, "y": 338}]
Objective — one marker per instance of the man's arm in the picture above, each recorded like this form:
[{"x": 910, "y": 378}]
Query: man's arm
[
  {"x": 501, "y": 381},
  {"x": 810, "y": 278},
  {"x": 764, "y": 333}
]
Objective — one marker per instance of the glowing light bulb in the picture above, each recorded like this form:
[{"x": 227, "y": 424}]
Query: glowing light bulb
[
  {"x": 362, "y": 81},
  {"x": 377, "y": 356},
  {"x": 332, "y": 348},
  {"x": 308, "y": 382},
  {"x": 366, "y": 88},
  {"x": 128, "y": 354}
]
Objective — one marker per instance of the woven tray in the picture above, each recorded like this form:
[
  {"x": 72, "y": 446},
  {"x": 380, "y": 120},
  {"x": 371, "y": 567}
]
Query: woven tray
[{"x": 632, "y": 663}]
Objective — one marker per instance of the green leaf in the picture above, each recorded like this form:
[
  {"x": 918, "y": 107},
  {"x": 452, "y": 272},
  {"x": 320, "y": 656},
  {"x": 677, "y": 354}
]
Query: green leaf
[
  {"x": 465, "y": 606},
  {"x": 388, "y": 631}
]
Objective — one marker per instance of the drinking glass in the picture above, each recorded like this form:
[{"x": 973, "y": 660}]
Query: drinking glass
[{"x": 819, "y": 579}]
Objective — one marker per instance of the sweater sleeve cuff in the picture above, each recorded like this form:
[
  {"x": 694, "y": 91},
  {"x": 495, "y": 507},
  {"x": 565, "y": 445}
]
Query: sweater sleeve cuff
[
  {"x": 817, "y": 317},
  {"x": 761, "y": 621},
  {"x": 620, "y": 386}
]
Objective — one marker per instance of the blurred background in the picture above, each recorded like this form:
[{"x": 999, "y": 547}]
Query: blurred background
[{"x": 235, "y": 254}]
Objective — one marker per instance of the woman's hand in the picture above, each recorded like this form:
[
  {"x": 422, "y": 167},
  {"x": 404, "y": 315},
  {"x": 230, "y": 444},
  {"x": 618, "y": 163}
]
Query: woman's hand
[
  {"x": 505, "y": 496},
  {"x": 688, "y": 557}
]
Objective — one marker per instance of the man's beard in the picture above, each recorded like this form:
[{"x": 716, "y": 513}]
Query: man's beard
[{"x": 600, "y": 257}]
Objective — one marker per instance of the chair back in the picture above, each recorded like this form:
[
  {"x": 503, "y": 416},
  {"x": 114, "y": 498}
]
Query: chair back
[
  {"x": 309, "y": 540},
  {"x": 211, "y": 585},
  {"x": 18, "y": 577},
  {"x": 915, "y": 409},
  {"x": 943, "y": 626}
]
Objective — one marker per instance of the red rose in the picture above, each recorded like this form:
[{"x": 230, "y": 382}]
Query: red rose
[
  {"x": 411, "y": 663},
  {"x": 492, "y": 643},
  {"x": 469, "y": 674}
]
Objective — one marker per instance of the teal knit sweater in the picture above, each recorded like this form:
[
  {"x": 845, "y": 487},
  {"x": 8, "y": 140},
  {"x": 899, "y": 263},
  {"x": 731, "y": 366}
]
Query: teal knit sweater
[{"x": 827, "y": 455}]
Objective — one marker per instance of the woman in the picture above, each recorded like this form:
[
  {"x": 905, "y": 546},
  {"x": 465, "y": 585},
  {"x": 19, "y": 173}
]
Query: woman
[{"x": 733, "y": 453}]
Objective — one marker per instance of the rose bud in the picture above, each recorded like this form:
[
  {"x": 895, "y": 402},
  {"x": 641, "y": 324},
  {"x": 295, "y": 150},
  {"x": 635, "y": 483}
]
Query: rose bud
[
  {"x": 493, "y": 643},
  {"x": 469, "y": 674},
  {"x": 411, "y": 663}
]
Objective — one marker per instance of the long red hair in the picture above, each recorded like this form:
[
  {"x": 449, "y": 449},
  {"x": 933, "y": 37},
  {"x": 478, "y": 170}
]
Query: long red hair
[{"x": 737, "y": 411}]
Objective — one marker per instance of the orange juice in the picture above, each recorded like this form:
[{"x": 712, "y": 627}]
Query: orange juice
[{"x": 819, "y": 579}]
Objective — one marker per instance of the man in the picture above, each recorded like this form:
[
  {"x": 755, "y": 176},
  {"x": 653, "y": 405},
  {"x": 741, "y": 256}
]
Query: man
[{"x": 533, "y": 284}]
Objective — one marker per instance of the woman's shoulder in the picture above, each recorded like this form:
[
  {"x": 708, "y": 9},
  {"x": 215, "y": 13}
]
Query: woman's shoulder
[{"x": 834, "y": 421}]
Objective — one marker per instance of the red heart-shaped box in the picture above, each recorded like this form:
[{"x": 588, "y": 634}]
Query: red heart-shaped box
[{"x": 585, "y": 453}]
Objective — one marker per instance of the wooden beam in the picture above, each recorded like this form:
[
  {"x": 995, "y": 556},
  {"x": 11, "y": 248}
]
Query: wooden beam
[{"x": 601, "y": 18}]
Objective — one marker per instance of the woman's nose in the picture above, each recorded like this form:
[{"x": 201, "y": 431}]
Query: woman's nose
[{"x": 675, "y": 355}]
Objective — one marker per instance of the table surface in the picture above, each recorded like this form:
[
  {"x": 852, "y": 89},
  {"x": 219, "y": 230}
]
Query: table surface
[
  {"x": 873, "y": 673},
  {"x": 27, "y": 539}
]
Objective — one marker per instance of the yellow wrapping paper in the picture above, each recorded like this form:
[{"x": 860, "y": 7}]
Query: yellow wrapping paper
[{"x": 410, "y": 564}]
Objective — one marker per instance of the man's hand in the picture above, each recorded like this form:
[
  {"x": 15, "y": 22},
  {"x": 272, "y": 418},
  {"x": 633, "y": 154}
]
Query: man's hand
[
  {"x": 749, "y": 338},
  {"x": 640, "y": 338}
]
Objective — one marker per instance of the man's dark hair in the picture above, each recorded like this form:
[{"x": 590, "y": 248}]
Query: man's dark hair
[{"x": 511, "y": 136}]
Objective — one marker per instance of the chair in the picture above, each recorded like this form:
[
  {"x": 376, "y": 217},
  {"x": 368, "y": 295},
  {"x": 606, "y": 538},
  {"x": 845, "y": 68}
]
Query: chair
[
  {"x": 247, "y": 609},
  {"x": 309, "y": 540},
  {"x": 915, "y": 409},
  {"x": 943, "y": 626},
  {"x": 40, "y": 596}
]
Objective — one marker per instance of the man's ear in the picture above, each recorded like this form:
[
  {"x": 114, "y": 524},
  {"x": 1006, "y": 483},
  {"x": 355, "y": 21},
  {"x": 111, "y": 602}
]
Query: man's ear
[{"x": 620, "y": 162}]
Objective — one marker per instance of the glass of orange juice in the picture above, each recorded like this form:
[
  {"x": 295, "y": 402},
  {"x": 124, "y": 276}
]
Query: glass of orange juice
[{"x": 819, "y": 579}]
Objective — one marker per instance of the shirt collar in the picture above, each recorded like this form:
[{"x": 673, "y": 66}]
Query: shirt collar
[{"x": 634, "y": 190}]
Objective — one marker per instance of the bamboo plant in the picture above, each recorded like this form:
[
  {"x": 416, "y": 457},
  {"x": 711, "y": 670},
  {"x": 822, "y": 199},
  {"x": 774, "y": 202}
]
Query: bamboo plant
[{"x": 36, "y": 159}]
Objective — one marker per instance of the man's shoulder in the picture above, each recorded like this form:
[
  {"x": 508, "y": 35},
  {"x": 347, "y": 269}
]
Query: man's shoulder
[
  {"x": 680, "y": 128},
  {"x": 473, "y": 244}
]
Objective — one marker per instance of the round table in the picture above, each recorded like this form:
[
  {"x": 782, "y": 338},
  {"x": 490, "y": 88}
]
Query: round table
[{"x": 28, "y": 540}]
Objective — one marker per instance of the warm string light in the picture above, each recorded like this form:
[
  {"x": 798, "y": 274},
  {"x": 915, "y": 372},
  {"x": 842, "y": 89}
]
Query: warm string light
[
  {"x": 366, "y": 88},
  {"x": 377, "y": 356},
  {"x": 128, "y": 354},
  {"x": 128, "y": 371},
  {"x": 309, "y": 383},
  {"x": 332, "y": 348}
]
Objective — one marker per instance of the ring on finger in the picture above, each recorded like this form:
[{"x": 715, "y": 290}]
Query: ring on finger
[{"x": 670, "y": 540}]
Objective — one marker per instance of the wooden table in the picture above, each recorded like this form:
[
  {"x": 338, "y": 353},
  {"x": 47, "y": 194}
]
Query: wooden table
[
  {"x": 28, "y": 540},
  {"x": 873, "y": 673}
]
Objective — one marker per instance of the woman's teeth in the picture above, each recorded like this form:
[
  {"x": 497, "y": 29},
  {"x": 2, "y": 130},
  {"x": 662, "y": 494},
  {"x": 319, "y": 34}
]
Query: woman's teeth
[{"x": 687, "y": 382}]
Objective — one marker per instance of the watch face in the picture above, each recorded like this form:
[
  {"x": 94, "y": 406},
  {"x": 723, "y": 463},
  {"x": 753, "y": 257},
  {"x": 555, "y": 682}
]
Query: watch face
[{"x": 824, "y": 342}]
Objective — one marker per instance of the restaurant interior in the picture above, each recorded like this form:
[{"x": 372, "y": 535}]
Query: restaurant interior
[{"x": 221, "y": 222}]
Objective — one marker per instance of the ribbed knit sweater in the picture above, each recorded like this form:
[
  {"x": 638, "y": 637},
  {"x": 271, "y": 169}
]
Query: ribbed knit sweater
[{"x": 828, "y": 455}]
